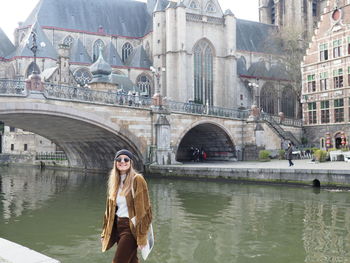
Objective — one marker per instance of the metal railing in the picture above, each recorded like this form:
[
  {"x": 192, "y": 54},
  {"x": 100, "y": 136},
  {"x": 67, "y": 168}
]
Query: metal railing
[
  {"x": 51, "y": 156},
  {"x": 194, "y": 108},
  {"x": 10, "y": 87}
]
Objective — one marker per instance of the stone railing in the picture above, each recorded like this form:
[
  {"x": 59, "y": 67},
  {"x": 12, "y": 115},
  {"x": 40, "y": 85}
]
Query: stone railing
[
  {"x": 12, "y": 87},
  {"x": 61, "y": 92},
  {"x": 215, "y": 20},
  {"x": 53, "y": 91},
  {"x": 205, "y": 19},
  {"x": 194, "y": 17},
  {"x": 284, "y": 121}
]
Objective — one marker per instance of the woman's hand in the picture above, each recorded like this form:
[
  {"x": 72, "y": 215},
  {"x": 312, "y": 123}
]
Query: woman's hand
[{"x": 141, "y": 247}]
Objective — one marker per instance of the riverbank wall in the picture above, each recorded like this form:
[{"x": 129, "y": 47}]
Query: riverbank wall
[{"x": 323, "y": 175}]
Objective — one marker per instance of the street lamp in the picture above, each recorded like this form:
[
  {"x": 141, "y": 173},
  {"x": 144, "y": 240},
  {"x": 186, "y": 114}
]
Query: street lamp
[
  {"x": 157, "y": 97},
  {"x": 34, "y": 48}
]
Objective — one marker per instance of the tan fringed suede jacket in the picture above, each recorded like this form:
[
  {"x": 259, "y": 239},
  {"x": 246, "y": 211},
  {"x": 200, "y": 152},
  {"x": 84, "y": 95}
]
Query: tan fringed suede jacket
[{"x": 139, "y": 207}]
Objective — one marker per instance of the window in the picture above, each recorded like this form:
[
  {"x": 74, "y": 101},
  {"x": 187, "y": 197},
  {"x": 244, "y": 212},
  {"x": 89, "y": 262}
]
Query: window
[
  {"x": 82, "y": 76},
  {"x": 68, "y": 41},
  {"x": 348, "y": 45},
  {"x": 339, "y": 110},
  {"x": 348, "y": 76},
  {"x": 12, "y": 147},
  {"x": 336, "y": 48},
  {"x": 325, "y": 111},
  {"x": 323, "y": 81},
  {"x": 25, "y": 147},
  {"x": 338, "y": 78},
  {"x": 311, "y": 83},
  {"x": 126, "y": 51},
  {"x": 12, "y": 129},
  {"x": 144, "y": 84},
  {"x": 194, "y": 5},
  {"x": 288, "y": 102},
  {"x": 211, "y": 7},
  {"x": 323, "y": 52},
  {"x": 96, "y": 49},
  {"x": 312, "y": 112},
  {"x": 203, "y": 73}
]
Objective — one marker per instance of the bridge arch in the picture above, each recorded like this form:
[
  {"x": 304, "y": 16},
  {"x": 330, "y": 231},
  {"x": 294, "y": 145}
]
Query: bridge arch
[
  {"x": 212, "y": 137},
  {"x": 89, "y": 141}
]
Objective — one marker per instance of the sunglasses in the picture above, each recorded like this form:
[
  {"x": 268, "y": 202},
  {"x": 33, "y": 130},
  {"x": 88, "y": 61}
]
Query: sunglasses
[{"x": 125, "y": 160}]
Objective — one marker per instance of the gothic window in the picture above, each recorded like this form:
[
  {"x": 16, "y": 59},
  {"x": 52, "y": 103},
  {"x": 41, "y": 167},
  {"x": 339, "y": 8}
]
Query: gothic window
[
  {"x": 211, "y": 7},
  {"x": 148, "y": 50},
  {"x": 288, "y": 102},
  {"x": 144, "y": 84},
  {"x": 268, "y": 99},
  {"x": 314, "y": 7},
  {"x": 203, "y": 73},
  {"x": 194, "y": 5},
  {"x": 273, "y": 11},
  {"x": 96, "y": 49},
  {"x": 32, "y": 68},
  {"x": 68, "y": 41},
  {"x": 126, "y": 51},
  {"x": 82, "y": 76}
]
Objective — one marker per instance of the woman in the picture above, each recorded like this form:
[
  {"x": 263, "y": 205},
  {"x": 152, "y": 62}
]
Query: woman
[
  {"x": 128, "y": 212},
  {"x": 289, "y": 154}
]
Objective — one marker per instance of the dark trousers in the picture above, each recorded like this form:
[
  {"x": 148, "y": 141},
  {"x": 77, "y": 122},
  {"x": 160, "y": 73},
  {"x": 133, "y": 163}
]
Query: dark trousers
[
  {"x": 290, "y": 162},
  {"x": 127, "y": 246}
]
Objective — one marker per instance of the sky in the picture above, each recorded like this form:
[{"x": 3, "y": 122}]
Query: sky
[{"x": 14, "y": 11}]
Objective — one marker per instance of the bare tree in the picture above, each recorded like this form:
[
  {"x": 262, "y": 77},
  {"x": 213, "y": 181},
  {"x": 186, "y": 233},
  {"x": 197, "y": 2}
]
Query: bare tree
[{"x": 289, "y": 44}]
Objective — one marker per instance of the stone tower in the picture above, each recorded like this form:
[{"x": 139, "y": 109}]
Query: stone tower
[{"x": 303, "y": 14}]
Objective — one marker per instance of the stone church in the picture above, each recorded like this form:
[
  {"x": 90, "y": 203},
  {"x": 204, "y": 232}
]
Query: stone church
[{"x": 200, "y": 53}]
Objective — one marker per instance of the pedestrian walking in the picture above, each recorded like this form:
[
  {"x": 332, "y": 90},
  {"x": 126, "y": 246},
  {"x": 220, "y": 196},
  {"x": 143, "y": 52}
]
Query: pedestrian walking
[
  {"x": 128, "y": 212},
  {"x": 289, "y": 154}
]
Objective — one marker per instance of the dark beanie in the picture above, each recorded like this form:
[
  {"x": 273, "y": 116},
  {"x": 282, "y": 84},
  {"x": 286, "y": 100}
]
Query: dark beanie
[{"x": 124, "y": 152}]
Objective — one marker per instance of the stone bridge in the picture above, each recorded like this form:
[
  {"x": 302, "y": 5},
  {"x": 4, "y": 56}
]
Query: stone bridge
[{"x": 90, "y": 126}]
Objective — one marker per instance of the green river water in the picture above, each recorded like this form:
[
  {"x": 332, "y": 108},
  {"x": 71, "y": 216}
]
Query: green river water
[{"x": 59, "y": 213}]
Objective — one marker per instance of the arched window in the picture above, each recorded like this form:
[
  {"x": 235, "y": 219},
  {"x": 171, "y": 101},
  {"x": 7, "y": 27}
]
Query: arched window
[
  {"x": 144, "y": 84},
  {"x": 268, "y": 99},
  {"x": 194, "y": 5},
  {"x": 82, "y": 76},
  {"x": 96, "y": 49},
  {"x": 203, "y": 73},
  {"x": 272, "y": 7},
  {"x": 126, "y": 51},
  {"x": 288, "y": 102},
  {"x": 68, "y": 41},
  {"x": 211, "y": 7},
  {"x": 32, "y": 68},
  {"x": 148, "y": 50}
]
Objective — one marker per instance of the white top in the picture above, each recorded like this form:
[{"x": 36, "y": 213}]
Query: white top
[{"x": 122, "y": 210}]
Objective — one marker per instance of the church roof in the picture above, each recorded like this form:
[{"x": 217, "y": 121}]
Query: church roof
[
  {"x": 122, "y": 17},
  {"x": 253, "y": 36},
  {"x": 6, "y": 46},
  {"x": 112, "y": 56},
  {"x": 139, "y": 58},
  {"x": 160, "y": 5},
  {"x": 79, "y": 53},
  {"x": 23, "y": 50}
]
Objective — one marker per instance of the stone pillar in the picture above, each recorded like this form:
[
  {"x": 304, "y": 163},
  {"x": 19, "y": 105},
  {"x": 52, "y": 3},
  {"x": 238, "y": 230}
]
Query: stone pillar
[
  {"x": 229, "y": 73},
  {"x": 164, "y": 154}
]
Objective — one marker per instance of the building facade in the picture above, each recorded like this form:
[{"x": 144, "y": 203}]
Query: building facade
[
  {"x": 198, "y": 52},
  {"x": 301, "y": 14},
  {"x": 326, "y": 79}
]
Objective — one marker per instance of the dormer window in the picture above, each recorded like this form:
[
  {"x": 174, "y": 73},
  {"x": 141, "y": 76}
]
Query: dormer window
[
  {"x": 211, "y": 7},
  {"x": 194, "y": 5}
]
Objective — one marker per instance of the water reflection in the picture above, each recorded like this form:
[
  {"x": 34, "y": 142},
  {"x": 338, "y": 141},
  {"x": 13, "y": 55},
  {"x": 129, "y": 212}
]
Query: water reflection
[{"x": 59, "y": 214}]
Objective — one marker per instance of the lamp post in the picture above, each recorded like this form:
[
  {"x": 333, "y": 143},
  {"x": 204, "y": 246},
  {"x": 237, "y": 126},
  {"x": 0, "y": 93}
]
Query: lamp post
[
  {"x": 157, "y": 97},
  {"x": 34, "y": 48}
]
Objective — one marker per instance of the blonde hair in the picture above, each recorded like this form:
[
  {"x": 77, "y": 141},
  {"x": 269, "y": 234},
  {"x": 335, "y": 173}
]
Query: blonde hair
[{"x": 114, "y": 180}]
